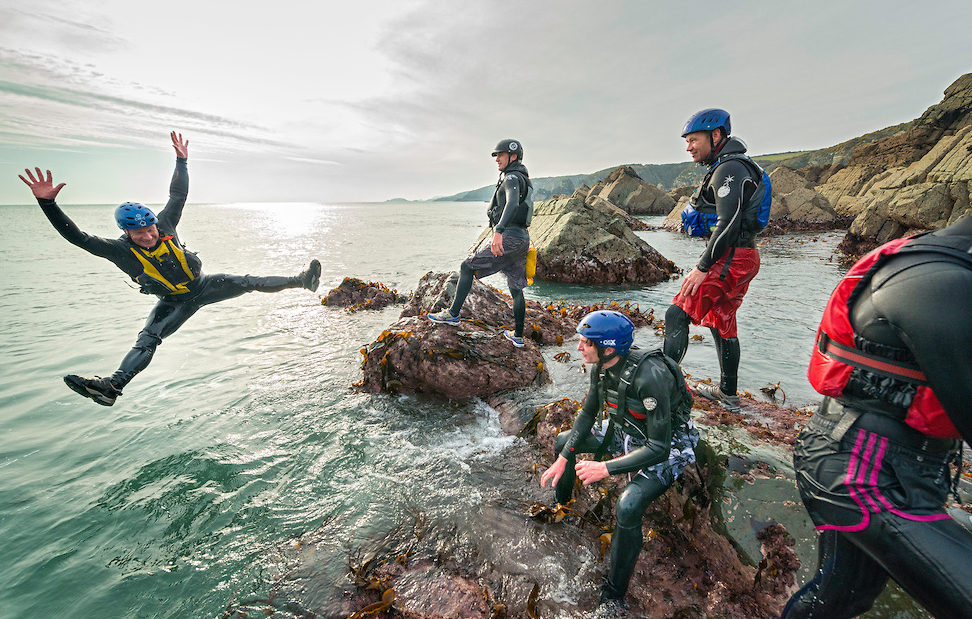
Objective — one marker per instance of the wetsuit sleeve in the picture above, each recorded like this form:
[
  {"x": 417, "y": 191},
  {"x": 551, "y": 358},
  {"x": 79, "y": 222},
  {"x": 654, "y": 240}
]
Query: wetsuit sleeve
[
  {"x": 727, "y": 180},
  {"x": 585, "y": 418},
  {"x": 927, "y": 306},
  {"x": 511, "y": 188},
  {"x": 102, "y": 247},
  {"x": 178, "y": 192},
  {"x": 654, "y": 381}
]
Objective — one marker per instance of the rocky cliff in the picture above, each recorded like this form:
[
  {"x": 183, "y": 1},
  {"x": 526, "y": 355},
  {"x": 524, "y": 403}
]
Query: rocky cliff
[{"x": 916, "y": 179}]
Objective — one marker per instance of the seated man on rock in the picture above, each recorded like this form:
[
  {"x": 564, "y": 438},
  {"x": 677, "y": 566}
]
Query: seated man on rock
[
  {"x": 650, "y": 435},
  {"x": 510, "y": 212}
]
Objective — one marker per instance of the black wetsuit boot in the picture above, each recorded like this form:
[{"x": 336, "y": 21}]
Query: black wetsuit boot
[
  {"x": 625, "y": 546},
  {"x": 728, "y": 351}
]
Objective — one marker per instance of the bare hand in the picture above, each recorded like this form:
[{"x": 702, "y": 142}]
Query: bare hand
[
  {"x": 692, "y": 283},
  {"x": 554, "y": 473},
  {"x": 40, "y": 187},
  {"x": 181, "y": 148},
  {"x": 590, "y": 471},
  {"x": 497, "y": 245}
]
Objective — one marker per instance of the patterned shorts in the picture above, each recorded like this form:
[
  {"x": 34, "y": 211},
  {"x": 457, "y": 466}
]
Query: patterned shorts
[{"x": 684, "y": 440}]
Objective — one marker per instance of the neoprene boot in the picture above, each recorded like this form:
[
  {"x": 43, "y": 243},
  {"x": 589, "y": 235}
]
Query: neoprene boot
[
  {"x": 311, "y": 277},
  {"x": 101, "y": 390}
]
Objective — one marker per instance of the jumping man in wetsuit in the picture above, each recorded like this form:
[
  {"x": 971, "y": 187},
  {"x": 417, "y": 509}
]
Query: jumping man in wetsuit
[
  {"x": 713, "y": 291},
  {"x": 151, "y": 253},
  {"x": 649, "y": 430},
  {"x": 510, "y": 212},
  {"x": 894, "y": 358}
]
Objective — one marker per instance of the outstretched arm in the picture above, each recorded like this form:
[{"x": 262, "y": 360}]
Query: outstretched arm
[
  {"x": 41, "y": 187},
  {"x": 179, "y": 187},
  {"x": 45, "y": 191}
]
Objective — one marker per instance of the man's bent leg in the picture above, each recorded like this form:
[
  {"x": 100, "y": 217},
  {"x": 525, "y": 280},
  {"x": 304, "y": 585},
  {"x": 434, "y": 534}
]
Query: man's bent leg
[
  {"x": 627, "y": 538},
  {"x": 165, "y": 319},
  {"x": 466, "y": 274},
  {"x": 519, "y": 311},
  {"x": 676, "y": 333}
]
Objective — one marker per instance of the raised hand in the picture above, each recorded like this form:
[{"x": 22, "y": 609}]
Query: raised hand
[
  {"x": 41, "y": 187},
  {"x": 181, "y": 148}
]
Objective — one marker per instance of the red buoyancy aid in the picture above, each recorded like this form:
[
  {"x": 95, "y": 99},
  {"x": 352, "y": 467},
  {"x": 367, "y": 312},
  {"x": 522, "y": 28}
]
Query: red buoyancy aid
[{"x": 835, "y": 356}]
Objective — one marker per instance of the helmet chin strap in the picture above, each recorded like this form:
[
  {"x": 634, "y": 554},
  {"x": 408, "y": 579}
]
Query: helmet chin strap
[
  {"x": 715, "y": 147},
  {"x": 602, "y": 358}
]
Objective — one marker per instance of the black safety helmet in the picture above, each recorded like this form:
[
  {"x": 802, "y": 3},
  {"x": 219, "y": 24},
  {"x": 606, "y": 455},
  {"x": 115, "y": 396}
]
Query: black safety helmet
[{"x": 509, "y": 146}]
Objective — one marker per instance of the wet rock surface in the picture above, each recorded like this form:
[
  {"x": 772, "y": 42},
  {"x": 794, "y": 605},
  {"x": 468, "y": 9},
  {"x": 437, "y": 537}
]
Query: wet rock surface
[
  {"x": 473, "y": 359},
  {"x": 354, "y": 295},
  {"x": 519, "y": 566}
]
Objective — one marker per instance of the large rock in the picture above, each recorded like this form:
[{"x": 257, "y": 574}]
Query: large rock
[
  {"x": 579, "y": 242},
  {"x": 804, "y": 206},
  {"x": 625, "y": 189},
  {"x": 415, "y": 355}
]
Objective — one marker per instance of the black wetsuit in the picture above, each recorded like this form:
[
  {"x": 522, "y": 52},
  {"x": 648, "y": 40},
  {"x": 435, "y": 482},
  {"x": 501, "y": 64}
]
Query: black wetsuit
[
  {"x": 877, "y": 489},
  {"x": 510, "y": 212},
  {"x": 731, "y": 249},
  {"x": 654, "y": 433},
  {"x": 172, "y": 310}
]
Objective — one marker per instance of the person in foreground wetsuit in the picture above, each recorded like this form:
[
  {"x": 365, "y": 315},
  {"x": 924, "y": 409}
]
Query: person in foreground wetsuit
[
  {"x": 893, "y": 358},
  {"x": 651, "y": 434},
  {"x": 510, "y": 212},
  {"x": 151, "y": 253},
  {"x": 712, "y": 292}
]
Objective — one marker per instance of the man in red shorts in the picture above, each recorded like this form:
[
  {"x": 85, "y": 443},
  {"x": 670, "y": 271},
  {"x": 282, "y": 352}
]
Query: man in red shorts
[{"x": 713, "y": 291}]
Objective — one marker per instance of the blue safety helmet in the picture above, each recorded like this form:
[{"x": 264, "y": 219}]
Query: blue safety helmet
[
  {"x": 131, "y": 215},
  {"x": 707, "y": 120},
  {"x": 608, "y": 328},
  {"x": 509, "y": 146}
]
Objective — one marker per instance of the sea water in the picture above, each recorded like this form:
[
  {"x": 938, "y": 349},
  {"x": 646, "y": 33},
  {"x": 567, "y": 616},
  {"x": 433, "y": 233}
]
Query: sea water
[{"x": 245, "y": 432}]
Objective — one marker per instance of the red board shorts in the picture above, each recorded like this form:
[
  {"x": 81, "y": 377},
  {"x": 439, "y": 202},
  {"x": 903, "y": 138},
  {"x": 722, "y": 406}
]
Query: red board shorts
[{"x": 718, "y": 299}]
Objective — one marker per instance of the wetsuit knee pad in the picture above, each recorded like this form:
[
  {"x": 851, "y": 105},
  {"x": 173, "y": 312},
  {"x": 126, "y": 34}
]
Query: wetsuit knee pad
[
  {"x": 147, "y": 340},
  {"x": 630, "y": 508},
  {"x": 466, "y": 270},
  {"x": 676, "y": 332},
  {"x": 560, "y": 442}
]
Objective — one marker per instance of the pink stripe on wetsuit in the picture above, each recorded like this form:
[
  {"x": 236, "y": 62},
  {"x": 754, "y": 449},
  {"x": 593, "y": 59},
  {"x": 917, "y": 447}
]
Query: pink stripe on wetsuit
[{"x": 866, "y": 494}]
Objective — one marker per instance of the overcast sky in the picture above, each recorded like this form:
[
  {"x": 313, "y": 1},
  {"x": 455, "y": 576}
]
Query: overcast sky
[{"x": 376, "y": 99}]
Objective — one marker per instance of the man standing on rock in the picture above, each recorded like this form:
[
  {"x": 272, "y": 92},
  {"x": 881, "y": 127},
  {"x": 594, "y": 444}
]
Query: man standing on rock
[
  {"x": 713, "y": 291},
  {"x": 648, "y": 428},
  {"x": 892, "y": 356},
  {"x": 151, "y": 253},
  {"x": 510, "y": 212}
]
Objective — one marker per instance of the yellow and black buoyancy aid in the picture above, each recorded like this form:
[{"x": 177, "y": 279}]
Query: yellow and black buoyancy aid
[{"x": 168, "y": 269}]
